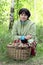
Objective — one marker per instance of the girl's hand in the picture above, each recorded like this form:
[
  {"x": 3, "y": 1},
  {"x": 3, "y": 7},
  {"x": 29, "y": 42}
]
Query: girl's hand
[{"x": 28, "y": 37}]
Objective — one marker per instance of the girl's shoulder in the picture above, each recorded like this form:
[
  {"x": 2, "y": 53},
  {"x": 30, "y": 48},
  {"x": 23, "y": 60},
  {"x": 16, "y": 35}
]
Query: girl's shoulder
[{"x": 31, "y": 22}]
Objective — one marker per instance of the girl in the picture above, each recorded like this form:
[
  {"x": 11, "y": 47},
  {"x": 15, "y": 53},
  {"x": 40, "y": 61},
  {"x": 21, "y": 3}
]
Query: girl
[{"x": 24, "y": 29}]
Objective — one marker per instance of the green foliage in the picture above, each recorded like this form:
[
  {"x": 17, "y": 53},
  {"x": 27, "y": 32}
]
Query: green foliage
[
  {"x": 39, "y": 32},
  {"x": 4, "y": 10},
  {"x": 17, "y": 7}
]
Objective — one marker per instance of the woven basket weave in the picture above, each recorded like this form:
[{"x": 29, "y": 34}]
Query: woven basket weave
[{"x": 18, "y": 53}]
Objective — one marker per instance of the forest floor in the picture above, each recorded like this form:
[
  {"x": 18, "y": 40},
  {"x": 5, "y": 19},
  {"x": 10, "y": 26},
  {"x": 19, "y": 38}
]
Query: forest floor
[{"x": 35, "y": 62}]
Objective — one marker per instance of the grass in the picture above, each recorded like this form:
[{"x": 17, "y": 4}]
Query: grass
[{"x": 4, "y": 40}]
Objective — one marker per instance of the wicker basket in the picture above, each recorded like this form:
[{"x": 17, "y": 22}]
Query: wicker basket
[{"x": 18, "y": 53}]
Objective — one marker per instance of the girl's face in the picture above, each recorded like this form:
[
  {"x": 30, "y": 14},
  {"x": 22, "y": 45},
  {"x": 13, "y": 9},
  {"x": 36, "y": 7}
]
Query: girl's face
[{"x": 23, "y": 17}]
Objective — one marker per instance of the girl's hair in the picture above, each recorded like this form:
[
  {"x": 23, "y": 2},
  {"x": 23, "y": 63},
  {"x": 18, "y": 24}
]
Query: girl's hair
[{"x": 26, "y": 11}]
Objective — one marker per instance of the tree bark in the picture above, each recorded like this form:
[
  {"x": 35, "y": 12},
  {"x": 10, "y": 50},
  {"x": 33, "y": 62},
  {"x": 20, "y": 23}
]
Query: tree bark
[{"x": 11, "y": 15}]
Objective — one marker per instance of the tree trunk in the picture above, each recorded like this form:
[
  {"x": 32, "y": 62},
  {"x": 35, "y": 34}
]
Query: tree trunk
[
  {"x": 17, "y": 8},
  {"x": 11, "y": 15}
]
